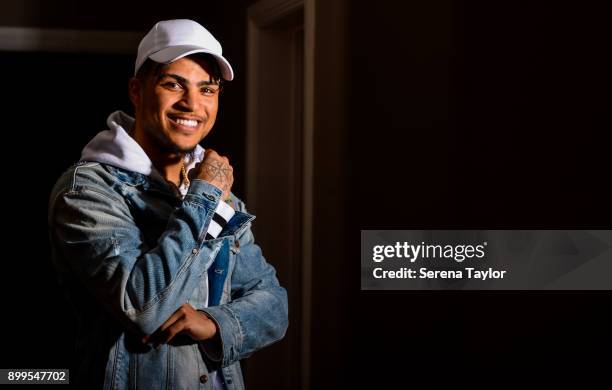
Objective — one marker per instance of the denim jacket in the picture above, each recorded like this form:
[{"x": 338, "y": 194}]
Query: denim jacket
[{"x": 129, "y": 251}]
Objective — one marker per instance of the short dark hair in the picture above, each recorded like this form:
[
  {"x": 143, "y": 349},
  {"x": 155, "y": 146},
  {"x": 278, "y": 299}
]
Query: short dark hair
[{"x": 154, "y": 69}]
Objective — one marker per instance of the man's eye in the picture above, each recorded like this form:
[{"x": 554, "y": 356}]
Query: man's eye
[
  {"x": 209, "y": 91},
  {"x": 172, "y": 85}
]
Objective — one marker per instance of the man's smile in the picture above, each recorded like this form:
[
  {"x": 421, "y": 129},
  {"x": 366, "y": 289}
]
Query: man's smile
[{"x": 185, "y": 120}]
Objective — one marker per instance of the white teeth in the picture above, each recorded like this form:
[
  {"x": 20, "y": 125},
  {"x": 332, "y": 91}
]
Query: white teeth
[{"x": 186, "y": 122}]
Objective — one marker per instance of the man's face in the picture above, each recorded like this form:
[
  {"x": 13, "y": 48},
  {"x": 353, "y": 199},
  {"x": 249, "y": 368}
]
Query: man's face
[{"x": 177, "y": 108}]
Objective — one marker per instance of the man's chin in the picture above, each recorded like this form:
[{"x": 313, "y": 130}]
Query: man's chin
[
  {"x": 173, "y": 147},
  {"x": 181, "y": 149},
  {"x": 167, "y": 144},
  {"x": 183, "y": 145}
]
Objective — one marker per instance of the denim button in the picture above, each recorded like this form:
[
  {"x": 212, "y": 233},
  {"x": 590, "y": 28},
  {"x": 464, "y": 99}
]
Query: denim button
[
  {"x": 194, "y": 250},
  {"x": 237, "y": 243},
  {"x": 204, "y": 378}
]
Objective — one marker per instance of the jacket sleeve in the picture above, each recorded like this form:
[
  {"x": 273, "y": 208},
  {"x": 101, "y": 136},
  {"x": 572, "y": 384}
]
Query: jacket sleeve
[
  {"x": 97, "y": 239},
  {"x": 258, "y": 313}
]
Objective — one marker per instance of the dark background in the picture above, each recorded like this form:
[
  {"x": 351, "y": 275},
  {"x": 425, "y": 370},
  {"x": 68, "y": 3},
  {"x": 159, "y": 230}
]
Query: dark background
[
  {"x": 480, "y": 114},
  {"x": 468, "y": 114}
]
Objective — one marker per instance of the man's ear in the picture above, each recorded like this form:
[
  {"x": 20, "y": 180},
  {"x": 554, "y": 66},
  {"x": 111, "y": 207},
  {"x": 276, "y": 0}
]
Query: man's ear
[{"x": 135, "y": 91}]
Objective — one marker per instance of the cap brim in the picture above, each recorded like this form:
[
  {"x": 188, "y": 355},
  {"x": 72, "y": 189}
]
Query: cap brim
[{"x": 174, "y": 53}]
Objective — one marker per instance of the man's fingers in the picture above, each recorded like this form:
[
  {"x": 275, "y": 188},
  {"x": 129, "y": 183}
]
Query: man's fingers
[
  {"x": 173, "y": 318},
  {"x": 210, "y": 153},
  {"x": 173, "y": 330},
  {"x": 163, "y": 336},
  {"x": 177, "y": 315}
]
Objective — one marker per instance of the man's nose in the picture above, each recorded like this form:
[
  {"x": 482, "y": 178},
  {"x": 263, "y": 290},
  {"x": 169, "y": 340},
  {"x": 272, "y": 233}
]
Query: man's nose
[{"x": 189, "y": 100}]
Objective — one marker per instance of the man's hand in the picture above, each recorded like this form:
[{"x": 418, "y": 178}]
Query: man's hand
[
  {"x": 216, "y": 170},
  {"x": 186, "y": 320}
]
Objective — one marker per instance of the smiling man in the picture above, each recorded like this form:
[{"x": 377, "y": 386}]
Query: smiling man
[{"x": 153, "y": 248}]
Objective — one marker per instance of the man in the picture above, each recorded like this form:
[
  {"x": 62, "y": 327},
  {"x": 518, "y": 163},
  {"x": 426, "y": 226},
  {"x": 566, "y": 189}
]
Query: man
[{"x": 154, "y": 250}]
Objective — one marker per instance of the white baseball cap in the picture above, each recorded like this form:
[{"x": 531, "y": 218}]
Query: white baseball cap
[{"x": 170, "y": 40}]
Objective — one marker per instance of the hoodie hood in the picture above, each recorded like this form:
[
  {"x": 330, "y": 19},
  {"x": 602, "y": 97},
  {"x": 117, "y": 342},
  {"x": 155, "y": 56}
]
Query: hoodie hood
[{"x": 117, "y": 148}]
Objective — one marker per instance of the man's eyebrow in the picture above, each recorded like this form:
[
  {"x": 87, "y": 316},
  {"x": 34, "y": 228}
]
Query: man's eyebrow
[
  {"x": 183, "y": 80},
  {"x": 201, "y": 83}
]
